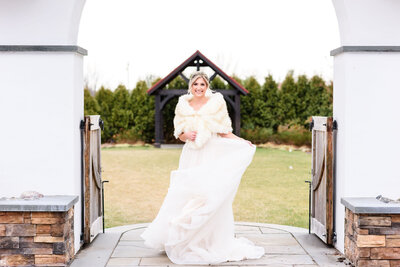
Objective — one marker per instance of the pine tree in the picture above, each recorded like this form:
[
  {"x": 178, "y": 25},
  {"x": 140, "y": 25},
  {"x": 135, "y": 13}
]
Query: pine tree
[
  {"x": 104, "y": 98},
  {"x": 251, "y": 104},
  {"x": 121, "y": 114},
  {"x": 142, "y": 106},
  {"x": 321, "y": 103},
  {"x": 91, "y": 107},
  {"x": 217, "y": 83},
  {"x": 287, "y": 103},
  {"x": 303, "y": 99},
  {"x": 177, "y": 83},
  {"x": 270, "y": 112}
]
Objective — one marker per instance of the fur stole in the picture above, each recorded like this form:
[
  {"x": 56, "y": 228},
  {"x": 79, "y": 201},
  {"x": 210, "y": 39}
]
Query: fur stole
[{"x": 212, "y": 118}]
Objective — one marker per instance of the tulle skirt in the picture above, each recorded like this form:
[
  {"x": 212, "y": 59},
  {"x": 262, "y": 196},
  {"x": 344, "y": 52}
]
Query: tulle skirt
[{"x": 195, "y": 222}]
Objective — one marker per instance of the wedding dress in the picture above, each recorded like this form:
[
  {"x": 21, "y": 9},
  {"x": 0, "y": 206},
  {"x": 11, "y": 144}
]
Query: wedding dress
[{"x": 195, "y": 223}]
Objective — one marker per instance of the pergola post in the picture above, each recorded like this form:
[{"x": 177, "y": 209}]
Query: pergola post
[
  {"x": 158, "y": 127},
  {"x": 162, "y": 141},
  {"x": 237, "y": 114}
]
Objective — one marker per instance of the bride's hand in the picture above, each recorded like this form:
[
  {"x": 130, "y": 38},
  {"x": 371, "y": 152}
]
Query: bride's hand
[
  {"x": 191, "y": 135},
  {"x": 249, "y": 142}
]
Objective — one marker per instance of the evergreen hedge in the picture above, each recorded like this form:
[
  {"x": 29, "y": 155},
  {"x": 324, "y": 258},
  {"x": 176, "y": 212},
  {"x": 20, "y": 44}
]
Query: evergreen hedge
[{"x": 272, "y": 112}]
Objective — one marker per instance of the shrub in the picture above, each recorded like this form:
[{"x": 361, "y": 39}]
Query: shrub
[
  {"x": 294, "y": 135},
  {"x": 270, "y": 113},
  {"x": 258, "y": 135},
  {"x": 129, "y": 136}
]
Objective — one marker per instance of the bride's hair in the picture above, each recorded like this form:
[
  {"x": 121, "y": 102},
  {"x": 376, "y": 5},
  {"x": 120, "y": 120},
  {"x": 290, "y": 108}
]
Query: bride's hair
[{"x": 199, "y": 74}]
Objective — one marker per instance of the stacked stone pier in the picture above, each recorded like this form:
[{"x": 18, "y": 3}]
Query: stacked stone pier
[
  {"x": 37, "y": 232},
  {"x": 372, "y": 232}
]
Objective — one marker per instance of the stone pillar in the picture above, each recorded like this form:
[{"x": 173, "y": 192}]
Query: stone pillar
[
  {"x": 372, "y": 232},
  {"x": 37, "y": 232},
  {"x": 41, "y": 99},
  {"x": 366, "y": 102}
]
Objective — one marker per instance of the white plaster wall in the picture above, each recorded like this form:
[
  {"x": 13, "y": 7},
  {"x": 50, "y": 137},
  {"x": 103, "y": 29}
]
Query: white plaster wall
[
  {"x": 40, "y": 22},
  {"x": 366, "y": 107}
]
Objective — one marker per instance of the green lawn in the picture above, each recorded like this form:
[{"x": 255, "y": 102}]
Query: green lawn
[{"x": 270, "y": 191}]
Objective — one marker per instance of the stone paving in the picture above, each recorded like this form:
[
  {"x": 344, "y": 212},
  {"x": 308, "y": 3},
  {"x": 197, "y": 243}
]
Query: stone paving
[{"x": 284, "y": 245}]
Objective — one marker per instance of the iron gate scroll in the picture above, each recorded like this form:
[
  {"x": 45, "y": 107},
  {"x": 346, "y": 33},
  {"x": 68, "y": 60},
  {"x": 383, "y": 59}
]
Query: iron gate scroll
[
  {"x": 93, "y": 206},
  {"x": 322, "y": 179}
]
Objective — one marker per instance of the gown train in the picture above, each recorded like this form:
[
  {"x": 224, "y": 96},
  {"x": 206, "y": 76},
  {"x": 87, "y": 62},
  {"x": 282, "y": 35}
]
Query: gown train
[{"x": 195, "y": 223}]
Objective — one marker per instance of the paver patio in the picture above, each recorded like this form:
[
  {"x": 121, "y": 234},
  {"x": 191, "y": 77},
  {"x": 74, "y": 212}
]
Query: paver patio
[{"x": 284, "y": 246}]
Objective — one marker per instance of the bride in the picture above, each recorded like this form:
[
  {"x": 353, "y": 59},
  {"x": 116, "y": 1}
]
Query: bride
[{"x": 195, "y": 222}]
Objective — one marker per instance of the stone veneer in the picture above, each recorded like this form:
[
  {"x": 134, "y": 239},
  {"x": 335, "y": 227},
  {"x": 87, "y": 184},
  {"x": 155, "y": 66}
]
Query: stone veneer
[
  {"x": 372, "y": 239},
  {"x": 36, "y": 238}
]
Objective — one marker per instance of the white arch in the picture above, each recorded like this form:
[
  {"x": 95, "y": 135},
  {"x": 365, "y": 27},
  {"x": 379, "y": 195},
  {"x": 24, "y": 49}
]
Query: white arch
[{"x": 40, "y": 135}]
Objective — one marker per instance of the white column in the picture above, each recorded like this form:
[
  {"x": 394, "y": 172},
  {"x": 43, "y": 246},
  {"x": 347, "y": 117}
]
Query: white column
[
  {"x": 366, "y": 102},
  {"x": 41, "y": 99}
]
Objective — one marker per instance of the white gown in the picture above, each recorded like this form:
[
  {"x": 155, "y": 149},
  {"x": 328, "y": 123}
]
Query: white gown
[{"x": 195, "y": 223}]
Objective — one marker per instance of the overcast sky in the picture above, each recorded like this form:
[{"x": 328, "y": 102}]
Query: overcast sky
[{"x": 129, "y": 40}]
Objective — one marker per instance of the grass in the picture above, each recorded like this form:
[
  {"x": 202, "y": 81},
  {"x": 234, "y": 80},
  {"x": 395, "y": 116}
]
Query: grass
[{"x": 270, "y": 191}]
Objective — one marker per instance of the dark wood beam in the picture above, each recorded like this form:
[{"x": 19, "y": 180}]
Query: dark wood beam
[
  {"x": 165, "y": 100},
  {"x": 175, "y": 92},
  {"x": 184, "y": 77},
  {"x": 194, "y": 64},
  {"x": 213, "y": 76},
  {"x": 226, "y": 92},
  {"x": 178, "y": 92},
  {"x": 230, "y": 102}
]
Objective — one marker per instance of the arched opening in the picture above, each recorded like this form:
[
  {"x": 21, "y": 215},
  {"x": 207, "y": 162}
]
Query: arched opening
[
  {"x": 164, "y": 101},
  {"x": 255, "y": 25}
]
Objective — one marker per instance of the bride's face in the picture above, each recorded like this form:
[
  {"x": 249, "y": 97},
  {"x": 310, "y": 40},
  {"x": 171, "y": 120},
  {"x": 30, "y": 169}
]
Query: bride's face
[{"x": 199, "y": 87}]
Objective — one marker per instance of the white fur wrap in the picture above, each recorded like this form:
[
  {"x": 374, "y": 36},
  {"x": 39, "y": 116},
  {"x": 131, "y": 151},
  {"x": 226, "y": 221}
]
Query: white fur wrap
[{"x": 212, "y": 118}]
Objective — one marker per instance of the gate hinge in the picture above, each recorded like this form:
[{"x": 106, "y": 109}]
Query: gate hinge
[
  {"x": 101, "y": 124},
  {"x": 311, "y": 125},
  {"x": 334, "y": 125},
  {"x": 334, "y": 237},
  {"x": 82, "y": 125}
]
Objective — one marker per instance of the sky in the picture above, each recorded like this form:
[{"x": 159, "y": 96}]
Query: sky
[{"x": 131, "y": 40}]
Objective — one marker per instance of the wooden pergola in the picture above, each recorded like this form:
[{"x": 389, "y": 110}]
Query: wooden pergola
[{"x": 163, "y": 95}]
